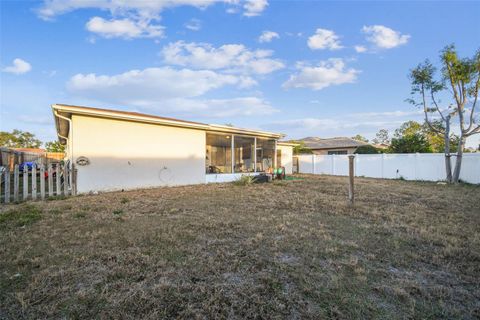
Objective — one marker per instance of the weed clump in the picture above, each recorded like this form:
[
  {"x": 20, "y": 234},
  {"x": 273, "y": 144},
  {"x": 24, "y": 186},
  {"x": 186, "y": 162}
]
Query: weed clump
[
  {"x": 244, "y": 181},
  {"x": 21, "y": 216}
]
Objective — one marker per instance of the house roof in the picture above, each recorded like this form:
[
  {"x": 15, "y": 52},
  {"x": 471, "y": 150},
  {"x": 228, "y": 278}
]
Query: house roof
[
  {"x": 317, "y": 143},
  {"x": 29, "y": 150},
  {"x": 62, "y": 111}
]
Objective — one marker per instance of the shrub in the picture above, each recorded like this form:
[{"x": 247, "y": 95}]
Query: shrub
[
  {"x": 366, "y": 149},
  {"x": 244, "y": 181}
]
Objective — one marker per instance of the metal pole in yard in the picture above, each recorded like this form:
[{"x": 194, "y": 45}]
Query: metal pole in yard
[{"x": 351, "y": 173}]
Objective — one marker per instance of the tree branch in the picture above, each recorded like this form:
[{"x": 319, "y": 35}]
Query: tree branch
[
  {"x": 436, "y": 105},
  {"x": 425, "y": 110},
  {"x": 474, "y": 103},
  {"x": 452, "y": 83}
]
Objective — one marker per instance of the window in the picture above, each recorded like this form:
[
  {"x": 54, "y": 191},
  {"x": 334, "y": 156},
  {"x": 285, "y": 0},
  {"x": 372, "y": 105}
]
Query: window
[
  {"x": 265, "y": 154},
  {"x": 244, "y": 155},
  {"x": 218, "y": 156},
  {"x": 337, "y": 152},
  {"x": 219, "y": 153}
]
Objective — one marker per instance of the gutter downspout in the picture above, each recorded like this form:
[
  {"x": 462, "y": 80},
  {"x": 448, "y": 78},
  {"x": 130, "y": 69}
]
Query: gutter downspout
[{"x": 69, "y": 144}]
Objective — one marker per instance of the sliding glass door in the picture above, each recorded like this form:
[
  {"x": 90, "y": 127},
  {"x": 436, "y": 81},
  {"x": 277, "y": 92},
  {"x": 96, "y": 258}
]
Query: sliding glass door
[
  {"x": 219, "y": 153},
  {"x": 244, "y": 160}
]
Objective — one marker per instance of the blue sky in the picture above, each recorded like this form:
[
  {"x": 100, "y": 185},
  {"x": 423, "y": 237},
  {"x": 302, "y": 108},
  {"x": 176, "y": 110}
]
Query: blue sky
[{"x": 304, "y": 68}]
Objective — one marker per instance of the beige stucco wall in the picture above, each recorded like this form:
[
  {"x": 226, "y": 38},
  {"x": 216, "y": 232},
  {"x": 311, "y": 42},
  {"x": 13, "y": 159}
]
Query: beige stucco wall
[
  {"x": 128, "y": 155},
  {"x": 286, "y": 158},
  {"x": 325, "y": 151}
]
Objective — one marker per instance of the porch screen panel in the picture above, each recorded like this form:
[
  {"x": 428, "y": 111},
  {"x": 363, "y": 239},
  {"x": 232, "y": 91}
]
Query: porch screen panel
[
  {"x": 265, "y": 154},
  {"x": 244, "y": 154},
  {"x": 218, "y": 153}
]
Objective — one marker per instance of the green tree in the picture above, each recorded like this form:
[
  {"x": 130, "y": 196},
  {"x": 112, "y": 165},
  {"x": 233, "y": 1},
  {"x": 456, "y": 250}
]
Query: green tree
[
  {"x": 19, "y": 139},
  {"x": 367, "y": 149},
  {"x": 437, "y": 141},
  {"x": 461, "y": 79},
  {"x": 300, "y": 148},
  {"x": 381, "y": 137},
  {"x": 55, "y": 146},
  {"x": 360, "y": 138},
  {"x": 408, "y": 128},
  {"x": 410, "y": 143}
]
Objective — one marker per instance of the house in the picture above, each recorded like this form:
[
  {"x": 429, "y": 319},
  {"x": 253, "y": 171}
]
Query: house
[
  {"x": 115, "y": 150},
  {"x": 381, "y": 146},
  {"x": 337, "y": 145}
]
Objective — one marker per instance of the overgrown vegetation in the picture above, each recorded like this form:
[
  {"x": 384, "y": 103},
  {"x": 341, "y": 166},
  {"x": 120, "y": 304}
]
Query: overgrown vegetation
[
  {"x": 283, "y": 250},
  {"x": 244, "y": 180}
]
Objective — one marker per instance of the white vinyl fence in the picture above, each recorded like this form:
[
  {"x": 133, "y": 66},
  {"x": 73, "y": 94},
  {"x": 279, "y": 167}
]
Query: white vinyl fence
[{"x": 412, "y": 166}]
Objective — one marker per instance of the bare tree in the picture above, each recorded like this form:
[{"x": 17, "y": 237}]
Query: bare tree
[
  {"x": 381, "y": 137},
  {"x": 461, "y": 77}
]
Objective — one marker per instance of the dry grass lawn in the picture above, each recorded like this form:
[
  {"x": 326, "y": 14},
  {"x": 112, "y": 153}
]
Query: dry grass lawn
[{"x": 285, "y": 250}]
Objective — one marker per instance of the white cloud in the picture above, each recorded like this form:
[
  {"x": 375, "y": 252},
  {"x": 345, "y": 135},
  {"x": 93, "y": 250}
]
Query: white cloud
[
  {"x": 384, "y": 37},
  {"x": 148, "y": 86},
  {"x": 346, "y": 124},
  {"x": 332, "y": 127},
  {"x": 268, "y": 36},
  {"x": 387, "y": 114},
  {"x": 18, "y": 66},
  {"x": 254, "y": 7},
  {"x": 324, "y": 39},
  {"x": 124, "y": 28},
  {"x": 194, "y": 25},
  {"x": 167, "y": 90},
  {"x": 233, "y": 107},
  {"x": 140, "y": 8},
  {"x": 229, "y": 57},
  {"x": 326, "y": 73},
  {"x": 360, "y": 49},
  {"x": 134, "y": 18}
]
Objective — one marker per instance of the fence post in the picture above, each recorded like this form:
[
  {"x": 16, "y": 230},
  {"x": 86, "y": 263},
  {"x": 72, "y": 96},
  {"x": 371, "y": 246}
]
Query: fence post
[
  {"x": 58, "y": 191},
  {"x": 16, "y": 178},
  {"x": 351, "y": 173},
  {"x": 65, "y": 180},
  {"x": 357, "y": 160},
  {"x": 1, "y": 173},
  {"x": 34, "y": 182},
  {"x": 50, "y": 180},
  {"x": 74, "y": 180},
  {"x": 7, "y": 185},
  {"x": 42, "y": 182},
  {"x": 25, "y": 182}
]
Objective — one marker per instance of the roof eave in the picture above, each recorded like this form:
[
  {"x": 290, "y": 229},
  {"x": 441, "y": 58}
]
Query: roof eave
[{"x": 154, "y": 120}]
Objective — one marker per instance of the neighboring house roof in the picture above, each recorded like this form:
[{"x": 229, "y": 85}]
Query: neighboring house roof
[
  {"x": 316, "y": 143},
  {"x": 29, "y": 150},
  {"x": 287, "y": 143},
  {"x": 381, "y": 145},
  {"x": 62, "y": 111}
]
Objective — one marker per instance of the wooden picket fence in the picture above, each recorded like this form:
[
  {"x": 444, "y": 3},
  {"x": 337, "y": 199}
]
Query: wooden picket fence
[{"x": 37, "y": 183}]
